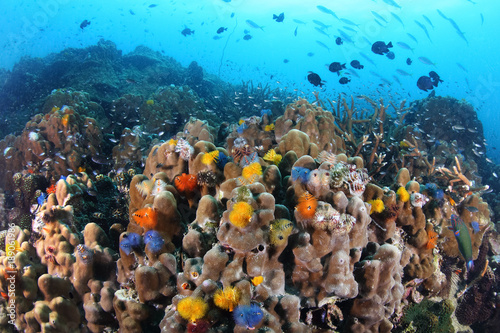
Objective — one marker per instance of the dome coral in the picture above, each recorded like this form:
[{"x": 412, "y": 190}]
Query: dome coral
[{"x": 241, "y": 214}]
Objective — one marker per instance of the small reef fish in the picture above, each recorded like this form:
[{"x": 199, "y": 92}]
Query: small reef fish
[
  {"x": 221, "y": 30},
  {"x": 336, "y": 67},
  {"x": 462, "y": 67},
  {"x": 380, "y": 47},
  {"x": 279, "y": 18},
  {"x": 339, "y": 41},
  {"x": 412, "y": 37},
  {"x": 441, "y": 14},
  {"x": 402, "y": 72},
  {"x": 84, "y": 24},
  {"x": 425, "y": 83},
  {"x": 426, "y": 61},
  {"x": 345, "y": 36},
  {"x": 321, "y": 24},
  {"x": 325, "y": 10},
  {"x": 405, "y": 46},
  {"x": 187, "y": 32},
  {"x": 321, "y": 31},
  {"x": 254, "y": 25},
  {"x": 353, "y": 72},
  {"x": 380, "y": 17},
  {"x": 390, "y": 55},
  {"x": 424, "y": 29},
  {"x": 435, "y": 78},
  {"x": 398, "y": 19},
  {"x": 367, "y": 58},
  {"x": 392, "y": 3},
  {"x": 247, "y": 37},
  {"x": 323, "y": 45},
  {"x": 344, "y": 80},
  {"x": 349, "y": 28},
  {"x": 349, "y": 22},
  {"x": 314, "y": 79},
  {"x": 428, "y": 21},
  {"x": 463, "y": 239},
  {"x": 356, "y": 64},
  {"x": 408, "y": 61}
]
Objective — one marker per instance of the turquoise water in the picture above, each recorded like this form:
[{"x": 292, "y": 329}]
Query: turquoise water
[{"x": 469, "y": 68}]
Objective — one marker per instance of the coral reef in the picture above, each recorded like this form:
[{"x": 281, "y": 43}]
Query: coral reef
[{"x": 313, "y": 220}]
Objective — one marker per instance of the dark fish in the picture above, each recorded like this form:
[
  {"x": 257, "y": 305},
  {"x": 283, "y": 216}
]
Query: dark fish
[
  {"x": 425, "y": 83},
  {"x": 286, "y": 61},
  {"x": 336, "y": 67},
  {"x": 390, "y": 55},
  {"x": 221, "y": 30},
  {"x": 295, "y": 32},
  {"x": 339, "y": 41},
  {"x": 152, "y": 5},
  {"x": 356, "y": 64},
  {"x": 314, "y": 79},
  {"x": 435, "y": 78},
  {"x": 472, "y": 209},
  {"x": 131, "y": 12},
  {"x": 408, "y": 61},
  {"x": 84, "y": 24},
  {"x": 279, "y": 18},
  {"x": 187, "y": 32},
  {"x": 100, "y": 159},
  {"x": 344, "y": 80},
  {"x": 381, "y": 47},
  {"x": 247, "y": 37}
]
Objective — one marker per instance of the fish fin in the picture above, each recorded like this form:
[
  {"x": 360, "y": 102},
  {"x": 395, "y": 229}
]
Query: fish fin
[
  {"x": 457, "y": 233},
  {"x": 389, "y": 45}
]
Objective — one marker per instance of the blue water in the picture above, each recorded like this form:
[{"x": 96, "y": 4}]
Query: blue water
[{"x": 37, "y": 28}]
